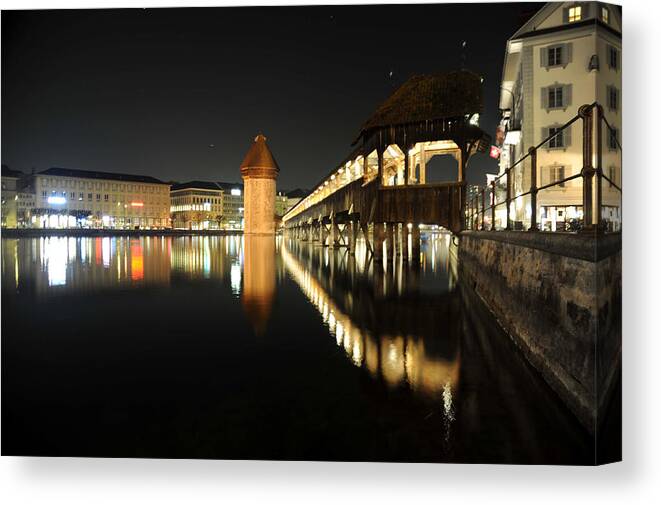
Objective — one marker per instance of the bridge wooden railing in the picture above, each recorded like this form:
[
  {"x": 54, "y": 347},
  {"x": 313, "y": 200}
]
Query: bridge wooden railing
[{"x": 583, "y": 195}]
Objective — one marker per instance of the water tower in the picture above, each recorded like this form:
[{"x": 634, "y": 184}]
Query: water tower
[{"x": 259, "y": 172}]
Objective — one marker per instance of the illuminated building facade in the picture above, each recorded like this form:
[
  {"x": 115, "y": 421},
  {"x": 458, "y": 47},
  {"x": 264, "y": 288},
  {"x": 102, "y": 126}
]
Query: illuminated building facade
[
  {"x": 232, "y": 205},
  {"x": 286, "y": 201},
  {"x": 10, "y": 182},
  {"x": 67, "y": 198},
  {"x": 565, "y": 56},
  {"x": 197, "y": 205}
]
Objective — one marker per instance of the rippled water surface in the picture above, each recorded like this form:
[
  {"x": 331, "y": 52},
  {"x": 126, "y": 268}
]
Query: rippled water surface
[{"x": 225, "y": 347}]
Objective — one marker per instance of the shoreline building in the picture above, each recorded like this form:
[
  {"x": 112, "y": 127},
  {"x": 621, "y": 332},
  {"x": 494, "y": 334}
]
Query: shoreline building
[
  {"x": 233, "y": 207},
  {"x": 259, "y": 172},
  {"x": 10, "y": 190},
  {"x": 286, "y": 200},
  {"x": 567, "y": 55},
  {"x": 197, "y": 205},
  {"x": 69, "y": 198}
]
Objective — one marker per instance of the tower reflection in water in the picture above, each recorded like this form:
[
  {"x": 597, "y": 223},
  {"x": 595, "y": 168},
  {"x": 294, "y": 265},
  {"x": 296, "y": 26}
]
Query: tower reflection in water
[
  {"x": 258, "y": 279},
  {"x": 384, "y": 319}
]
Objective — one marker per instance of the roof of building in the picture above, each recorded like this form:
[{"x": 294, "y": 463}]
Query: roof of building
[
  {"x": 226, "y": 186},
  {"x": 259, "y": 155},
  {"x": 298, "y": 193},
  {"x": 88, "y": 174},
  {"x": 196, "y": 185},
  {"x": 8, "y": 172},
  {"x": 429, "y": 97},
  {"x": 589, "y": 16}
]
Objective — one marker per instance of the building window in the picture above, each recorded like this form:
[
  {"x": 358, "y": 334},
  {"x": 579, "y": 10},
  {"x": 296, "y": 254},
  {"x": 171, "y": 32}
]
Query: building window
[
  {"x": 98, "y": 197},
  {"x": 574, "y": 14},
  {"x": 613, "y": 98},
  {"x": 613, "y": 139},
  {"x": 613, "y": 57},
  {"x": 89, "y": 197},
  {"x": 557, "y": 140},
  {"x": 611, "y": 175},
  {"x": 80, "y": 196},
  {"x": 44, "y": 194},
  {"x": 555, "y": 56},
  {"x": 105, "y": 198},
  {"x": 557, "y": 174},
  {"x": 555, "y": 97},
  {"x": 605, "y": 15}
]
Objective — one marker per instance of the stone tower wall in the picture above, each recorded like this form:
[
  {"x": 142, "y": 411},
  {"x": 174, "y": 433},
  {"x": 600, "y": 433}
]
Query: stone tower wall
[{"x": 259, "y": 205}]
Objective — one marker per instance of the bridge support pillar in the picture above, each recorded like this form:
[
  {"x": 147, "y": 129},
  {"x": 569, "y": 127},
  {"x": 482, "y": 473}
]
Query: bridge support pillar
[
  {"x": 332, "y": 234},
  {"x": 379, "y": 238},
  {"x": 323, "y": 234},
  {"x": 390, "y": 242},
  {"x": 415, "y": 243},
  {"x": 365, "y": 228},
  {"x": 336, "y": 234},
  {"x": 398, "y": 241},
  {"x": 405, "y": 241},
  {"x": 352, "y": 232}
]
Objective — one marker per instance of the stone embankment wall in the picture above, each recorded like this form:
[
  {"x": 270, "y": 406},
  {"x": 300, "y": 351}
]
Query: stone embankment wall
[{"x": 559, "y": 298}]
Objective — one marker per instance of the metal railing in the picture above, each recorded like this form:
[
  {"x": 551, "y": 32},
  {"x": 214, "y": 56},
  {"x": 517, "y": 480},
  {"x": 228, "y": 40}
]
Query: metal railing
[{"x": 581, "y": 199}]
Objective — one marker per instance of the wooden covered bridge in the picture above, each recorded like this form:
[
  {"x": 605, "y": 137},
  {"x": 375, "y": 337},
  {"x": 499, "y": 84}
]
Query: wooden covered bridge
[{"x": 381, "y": 188}]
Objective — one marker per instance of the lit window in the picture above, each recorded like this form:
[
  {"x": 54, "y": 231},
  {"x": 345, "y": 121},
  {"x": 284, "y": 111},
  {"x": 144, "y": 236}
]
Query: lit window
[
  {"x": 574, "y": 14},
  {"x": 604, "y": 15}
]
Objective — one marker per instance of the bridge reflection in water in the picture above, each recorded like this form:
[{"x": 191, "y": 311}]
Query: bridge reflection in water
[
  {"x": 417, "y": 328},
  {"x": 395, "y": 348}
]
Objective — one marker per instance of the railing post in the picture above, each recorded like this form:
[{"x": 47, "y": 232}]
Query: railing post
[
  {"x": 508, "y": 198},
  {"x": 484, "y": 190},
  {"x": 585, "y": 112},
  {"x": 533, "y": 189},
  {"x": 493, "y": 205},
  {"x": 406, "y": 165},
  {"x": 600, "y": 173}
]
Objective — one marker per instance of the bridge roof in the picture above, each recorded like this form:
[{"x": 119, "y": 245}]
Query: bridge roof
[{"x": 429, "y": 97}]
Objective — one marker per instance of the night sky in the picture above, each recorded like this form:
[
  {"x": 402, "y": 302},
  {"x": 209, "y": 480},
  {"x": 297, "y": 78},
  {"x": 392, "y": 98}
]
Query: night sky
[{"x": 180, "y": 94}]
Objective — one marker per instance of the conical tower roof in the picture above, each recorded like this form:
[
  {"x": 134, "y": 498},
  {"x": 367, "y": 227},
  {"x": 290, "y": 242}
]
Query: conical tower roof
[{"x": 259, "y": 156}]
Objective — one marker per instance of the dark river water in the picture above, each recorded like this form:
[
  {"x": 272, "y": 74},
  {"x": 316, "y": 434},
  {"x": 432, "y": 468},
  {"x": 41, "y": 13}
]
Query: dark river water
[{"x": 225, "y": 347}]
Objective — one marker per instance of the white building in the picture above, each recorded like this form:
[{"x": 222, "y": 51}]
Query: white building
[
  {"x": 568, "y": 54},
  {"x": 67, "y": 198},
  {"x": 233, "y": 208},
  {"x": 197, "y": 205}
]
